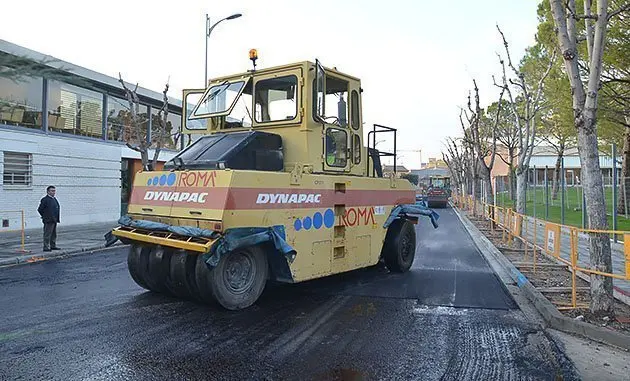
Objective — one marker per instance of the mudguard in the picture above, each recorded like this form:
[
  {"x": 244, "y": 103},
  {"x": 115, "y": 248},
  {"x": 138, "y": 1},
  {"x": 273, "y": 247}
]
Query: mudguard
[{"x": 412, "y": 210}]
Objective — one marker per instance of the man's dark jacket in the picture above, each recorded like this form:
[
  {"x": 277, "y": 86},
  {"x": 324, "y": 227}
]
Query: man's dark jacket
[{"x": 49, "y": 209}]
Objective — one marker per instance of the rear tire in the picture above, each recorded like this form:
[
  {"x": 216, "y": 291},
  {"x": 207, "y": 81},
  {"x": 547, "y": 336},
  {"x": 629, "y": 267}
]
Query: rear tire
[
  {"x": 238, "y": 279},
  {"x": 158, "y": 269},
  {"x": 137, "y": 263},
  {"x": 182, "y": 275},
  {"x": 399, "y": 248}
]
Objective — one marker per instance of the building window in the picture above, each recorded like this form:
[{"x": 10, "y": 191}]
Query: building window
[
  {"x": 74, "y": 110},
  {"x": 21, "y": 102},
  {"x": 119, "y": 125},
  {"x": 18, "y": 169},
  {"x": 276, "y": 99},
  {"x": 175, "y": 123}
]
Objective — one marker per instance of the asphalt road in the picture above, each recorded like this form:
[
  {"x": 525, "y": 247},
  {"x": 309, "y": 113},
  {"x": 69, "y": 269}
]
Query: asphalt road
[{"x": 83, "y": 318}]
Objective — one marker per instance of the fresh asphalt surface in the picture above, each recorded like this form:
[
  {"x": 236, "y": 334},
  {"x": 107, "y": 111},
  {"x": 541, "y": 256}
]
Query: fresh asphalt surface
[{"x": 449, "y": 318}]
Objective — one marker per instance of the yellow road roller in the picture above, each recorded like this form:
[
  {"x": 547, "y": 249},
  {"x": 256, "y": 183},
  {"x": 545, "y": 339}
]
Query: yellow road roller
[{"x": 279, "y": 184}]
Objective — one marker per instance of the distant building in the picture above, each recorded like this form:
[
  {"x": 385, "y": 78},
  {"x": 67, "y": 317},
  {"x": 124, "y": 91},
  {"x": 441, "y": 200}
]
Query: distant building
[
  {"x": 544, "y": 159},
  {"x": 434, "y": 163},
  {"x": 69, "y": 134},
  {"x": 400, "y": 170}
]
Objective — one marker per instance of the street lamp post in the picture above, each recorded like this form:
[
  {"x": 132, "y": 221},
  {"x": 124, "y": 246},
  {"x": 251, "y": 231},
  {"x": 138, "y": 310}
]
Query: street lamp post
[{"x": 209, "y": 29}]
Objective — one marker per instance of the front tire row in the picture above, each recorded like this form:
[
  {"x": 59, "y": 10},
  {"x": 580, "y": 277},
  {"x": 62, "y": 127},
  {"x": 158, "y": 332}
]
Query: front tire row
[{"x": 240, "y": 276}]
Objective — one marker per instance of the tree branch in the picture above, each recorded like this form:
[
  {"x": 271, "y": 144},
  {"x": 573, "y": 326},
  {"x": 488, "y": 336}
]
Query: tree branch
[
  {"x": 623, "y": 8},
  {"x": 163, "y": 120},
  {"x": 575, "y": 16},
  {"x": 133, "y": 147}
]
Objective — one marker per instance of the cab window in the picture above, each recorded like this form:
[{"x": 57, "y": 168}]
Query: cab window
[
  {"x": 356, "y": 149},
  {"x": 355, "y": 110},
  {"x": 241, "y": 114},
  {"x": 218, "y": 100},
  {"x": 336, "y": 101},
  {"x": 333, "y": 108},
  {"x": 275, "y": 99},
  {"x": 336, "y": 147}
]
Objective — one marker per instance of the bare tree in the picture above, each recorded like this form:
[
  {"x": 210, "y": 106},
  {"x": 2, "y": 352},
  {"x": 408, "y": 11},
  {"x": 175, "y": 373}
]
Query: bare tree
[
  {"x": 450, "y": 163},
  {"x": 470, "y": 158},
  {"x": 456, "y": 164},
  {"x": 484, "y": 140},
  {"x": 507, "y": 136},
  {"x": 136, "y": 131},
  {"x": 584, "y": 98},
  {"x": 524, "y": 117},
  {"x": 162, "y": 119}
]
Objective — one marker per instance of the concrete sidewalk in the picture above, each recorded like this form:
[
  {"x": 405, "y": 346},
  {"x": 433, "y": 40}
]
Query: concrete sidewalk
[{"x": 71, "y": 239}]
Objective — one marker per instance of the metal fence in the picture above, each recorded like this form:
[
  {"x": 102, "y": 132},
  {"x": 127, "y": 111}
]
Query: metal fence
[
  {"x": 9, "y": 218},
  {"x": 565, "y": 204},
  {"x": 565, "y": 244}
]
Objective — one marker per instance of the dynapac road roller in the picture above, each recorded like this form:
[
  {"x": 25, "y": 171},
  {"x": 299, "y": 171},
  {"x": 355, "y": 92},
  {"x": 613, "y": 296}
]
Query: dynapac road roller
[{"x": 279, "y": 185}]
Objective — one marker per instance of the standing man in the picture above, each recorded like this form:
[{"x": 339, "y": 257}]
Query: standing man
[{"x": 49, "y": 210}]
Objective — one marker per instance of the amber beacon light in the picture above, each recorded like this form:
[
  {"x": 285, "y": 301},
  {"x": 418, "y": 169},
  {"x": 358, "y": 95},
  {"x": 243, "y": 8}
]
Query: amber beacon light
[{"x": 253, "y": 55}]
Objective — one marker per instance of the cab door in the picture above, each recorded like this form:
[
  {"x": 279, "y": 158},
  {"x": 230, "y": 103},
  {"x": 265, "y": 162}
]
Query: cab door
[{"x": 331, "y": 110}]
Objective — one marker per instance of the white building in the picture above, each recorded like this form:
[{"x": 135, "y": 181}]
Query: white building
[{"x": 76, "y": 145}]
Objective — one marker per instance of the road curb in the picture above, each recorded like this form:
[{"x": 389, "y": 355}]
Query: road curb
[
  {"x": 23, "y": 259},
  {"x": 547, "y": 310}
]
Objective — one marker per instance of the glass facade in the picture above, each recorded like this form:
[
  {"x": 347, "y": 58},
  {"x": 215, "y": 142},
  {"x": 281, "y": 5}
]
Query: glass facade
[
  {"x": 79, "y": 111},
  {"x": 175, "y": 122},
  {"x": 74, "y": 110},
  {"x": 170, "y": 131},
  {"x": 119, "y": 125},
  {"x": 21, "y": 102},
  {"x": 117, "y": 117}
]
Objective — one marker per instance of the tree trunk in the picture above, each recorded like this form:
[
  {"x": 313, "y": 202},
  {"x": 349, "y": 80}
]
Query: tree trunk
[
  {"x": 513, "y": 185},
  {"x": 144, "y": 156},
  {"x": 556, "y": 177},
  {"x": 478, "y": 187},
  {"x": 488, "y": 188},
  {"x": 511, "y": 182},
  {"x": 521, "y": 190},
  {"x": 602, "y": 302},
  {"x": 585, "y": 113},
  {"x": 624, "y": 192},
  {"x": 486, "y": 179}
]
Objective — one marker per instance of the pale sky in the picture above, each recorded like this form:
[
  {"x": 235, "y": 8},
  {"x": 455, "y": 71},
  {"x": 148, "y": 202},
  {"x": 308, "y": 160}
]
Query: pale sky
[{"x": 416, "y": 59}]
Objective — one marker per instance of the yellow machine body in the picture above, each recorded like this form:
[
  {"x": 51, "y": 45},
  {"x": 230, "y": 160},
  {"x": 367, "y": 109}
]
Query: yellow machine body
[{"x": 331, "y": 205}]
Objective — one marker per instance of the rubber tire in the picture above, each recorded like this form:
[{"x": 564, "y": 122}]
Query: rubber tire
[
  {"x": 158, "y": 269},
  {"x": 182, "y": 275},
  {"x": 137, "y": 264},
  {"x": 401, "y": 237},
  {"x": 212, "y": 285}
]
